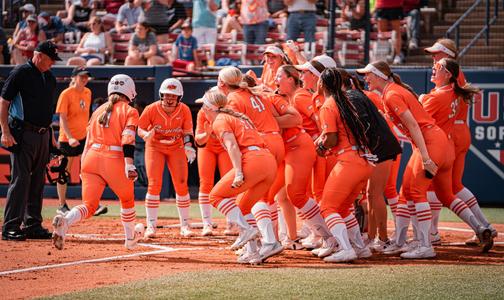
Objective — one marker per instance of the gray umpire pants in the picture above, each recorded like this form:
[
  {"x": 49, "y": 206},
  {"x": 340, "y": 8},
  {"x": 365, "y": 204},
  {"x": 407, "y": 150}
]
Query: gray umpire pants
[{"x": 26, "y": 187}]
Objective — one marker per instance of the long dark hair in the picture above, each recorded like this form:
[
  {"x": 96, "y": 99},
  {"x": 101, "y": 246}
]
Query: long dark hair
[
  {"x": 332, "y": 82},
  {"x": 465, "y": 92}
]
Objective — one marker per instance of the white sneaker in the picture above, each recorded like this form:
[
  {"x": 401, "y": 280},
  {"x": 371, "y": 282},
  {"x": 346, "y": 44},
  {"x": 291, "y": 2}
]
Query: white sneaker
[
  {"x": 342, "y": 256},
  {"x": 363, "y": 252},
  {"x": 60, "y": 227},
  {"x": 244, "y": 236},
  {"x": 138, "y": 234},
  {"x": 289, "y": 244},
  {"x": 207, "y": 230},
  {"x": 304, "y": 232},
  {"x": 398, "y": 60},
  {"x": 419, "y": 252},
  {"x": 185, "y": 231},
  {"x": 150, "y": 232},
  {"x": 269, "y": 250},
  {"x": 249, "y": 258},
  {"x": 231, "y": 230},
  {"x": 486, "y": 239},
  {"x": 328, "y": 248},
  {"x": 312, "y": 242},
  {"x": 413, "y": 44},
  {"x": 435, "y": 239},
  {"x": 392, "y": 248},
  {"x": 379, "y": 246}
]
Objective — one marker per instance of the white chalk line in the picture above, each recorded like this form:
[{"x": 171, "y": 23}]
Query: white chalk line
[{"x": 463, "y": 244}]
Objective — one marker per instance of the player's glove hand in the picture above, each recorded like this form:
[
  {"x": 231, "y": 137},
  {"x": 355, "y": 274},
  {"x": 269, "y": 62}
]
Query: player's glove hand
[
  {"x": 130, "y": 171},
  {"x": 190, "y": 153},
  {"x": 238, "y": 180}
]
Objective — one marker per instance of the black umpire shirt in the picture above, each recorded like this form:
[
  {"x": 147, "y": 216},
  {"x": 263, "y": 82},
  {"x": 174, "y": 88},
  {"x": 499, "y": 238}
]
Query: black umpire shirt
[{"x": 36, "y": 91}]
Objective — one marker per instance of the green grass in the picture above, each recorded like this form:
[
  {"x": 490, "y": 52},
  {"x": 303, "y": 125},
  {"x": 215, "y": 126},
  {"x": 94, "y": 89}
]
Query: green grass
[{"x": 377, "y": 282}]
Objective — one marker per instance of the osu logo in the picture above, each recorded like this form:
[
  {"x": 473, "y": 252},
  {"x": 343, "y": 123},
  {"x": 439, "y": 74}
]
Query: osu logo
[
  {"x": 172, "y": 87},
  {"x": 117, "y": 84}
]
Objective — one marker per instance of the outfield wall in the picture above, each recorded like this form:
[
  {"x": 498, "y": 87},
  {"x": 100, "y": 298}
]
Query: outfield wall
[{"x": 484, "y": 173}]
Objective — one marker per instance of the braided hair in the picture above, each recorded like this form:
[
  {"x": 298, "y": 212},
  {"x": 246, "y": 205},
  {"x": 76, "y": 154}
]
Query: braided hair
[
  {"x": 105, "y": 117},
  {"x": 332, "y": 83}
]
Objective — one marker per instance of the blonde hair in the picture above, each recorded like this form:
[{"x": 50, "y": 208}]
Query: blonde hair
[
  {"x": 105, "y": 117},
  {"x": 450, "y": 44},
  {"x": 220, "y": 101},
  {"x": 234, "y": 79},
  {"x": 385, "y": 69}
]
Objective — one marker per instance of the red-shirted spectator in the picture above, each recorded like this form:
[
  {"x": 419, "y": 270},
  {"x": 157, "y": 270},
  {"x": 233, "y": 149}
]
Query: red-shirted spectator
[{"x": 389, "y": 14}]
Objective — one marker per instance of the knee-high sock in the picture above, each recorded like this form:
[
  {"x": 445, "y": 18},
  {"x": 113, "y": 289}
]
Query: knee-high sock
[
  {"x": 262, "y": 215},
  {"x": 205, "y": 208},
  {"x": 462, "y": 210},
  {"x": 338, "y": 230},
  {"x": 183, "y": 203},
  {"x": 470, "y": 200},
  {"x": 233, "y": 214},
  {"x": 392, "y": 202},
  {"x": 151, "y": 209},
  {"x": 128, "y": 216},
  {"x": 76, "y": 214},
  {"x": 354, "y": 231},
  {"x": 402, "y": 223},
  {"x": 310, "y": 213},
  {"x": 282, "y": 226},
  {"x": 273, "y": 208},
  {"x": 424, "y": 216},
  {"x": 436, "y": 207},
  {"x": 413, "y": 217}
]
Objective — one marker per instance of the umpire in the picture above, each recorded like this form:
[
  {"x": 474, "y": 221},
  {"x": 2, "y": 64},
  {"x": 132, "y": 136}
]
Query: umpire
[{"x": 26, "y": 110}]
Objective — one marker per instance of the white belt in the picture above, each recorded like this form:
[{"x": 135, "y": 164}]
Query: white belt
[
  {"x": 354, "y": 148},
  {"x": 253, "y": 148},
  {"x": 295, "y": 136},
  {"x": 459, "y": 122},
  {"x": 106, "y": 147},
  {"x": 266, "y": 133}
]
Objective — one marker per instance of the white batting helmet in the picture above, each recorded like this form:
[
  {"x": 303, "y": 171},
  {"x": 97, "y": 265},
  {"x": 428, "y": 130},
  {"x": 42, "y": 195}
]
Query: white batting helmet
[
  {"x": 171, "y": 86},
  {"x": 122, "y": 84}
]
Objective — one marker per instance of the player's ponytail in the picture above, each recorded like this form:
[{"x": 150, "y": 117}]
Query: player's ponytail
[
  {"x": 105, "y": 117},
  {"x": 466, "y": 92}
]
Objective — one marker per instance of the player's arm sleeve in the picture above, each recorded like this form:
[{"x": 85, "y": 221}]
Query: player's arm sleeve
[{"x": 328, "y": 119}]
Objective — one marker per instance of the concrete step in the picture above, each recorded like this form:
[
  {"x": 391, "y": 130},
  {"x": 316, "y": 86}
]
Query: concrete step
[
  {"x": 441, "y": 29},
  {"x": 454, "y": 16}
]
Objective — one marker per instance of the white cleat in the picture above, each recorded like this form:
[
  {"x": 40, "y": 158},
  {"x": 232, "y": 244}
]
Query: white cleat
[
  {"x": 60, "y": 227},
  {"x": 185, "y": 231},
  {"x": 131, "y": 244},
  {"x": 328, "y": 247},
  {"x": 312, "y": 242},
  {"x": 419, "y": 252},
  {"x": 289, "y": 244},
  {"x": 342, "y": 256},
  {"x": 150, "y": 232},
  {"x": 252, "y": 258},
  {"x": 363, "y": 252},
  {"x": 379, "y": 246},
  {"x": 207, "y": 230},
  {"x": 269, "y": 250},
  {"x": 244, "y": 236},
  {"x": 230, "y": 230}
]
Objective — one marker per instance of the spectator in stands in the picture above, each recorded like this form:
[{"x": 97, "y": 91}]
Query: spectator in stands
[
  {"x": 254, "y": 17},
  {"x": 353, "y": 13},
  {"x": 278, "y": 10},
  {"x": 412, "y": 12},
  {"x": 26, "y": 10},
  {"x": 26, "y": 41},
  {"x": 52, "y": 26},
  {"x": 128, "y": 16},
  {"x": 204, "y": 21},
  {"x": 4, "y": 48},
  {"x": 164, "y": 16},
  {"x": 389, "y": 14},
  {"x": 302, "y": 18},
  {"x": 79, "y": 15},
  {"x": 111, "y": 6},
  {"x": 231, "y": 21},
  {"x": 188, "y": 5},
  {"x": 143, "y": 48},
  {"x": 184, "y": 53},
  {"x": 94, "y": 46}
]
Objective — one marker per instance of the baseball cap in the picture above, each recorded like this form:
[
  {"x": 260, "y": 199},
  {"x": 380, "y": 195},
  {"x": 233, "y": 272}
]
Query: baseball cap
[
  {"x": 80, "y": 70},
  {"x": 49, "y": 49},
  {"x": 326, "y": 61},
  {"x": 28, "y": 7},
  {"x": 44, "y": 14},
  {"x": 274, "y": 50},
  {"x": 31, "y": 18},
  {"x": 439, "y": 47}
]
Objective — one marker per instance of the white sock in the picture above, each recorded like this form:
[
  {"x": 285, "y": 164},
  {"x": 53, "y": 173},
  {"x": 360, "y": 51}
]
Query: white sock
[
  {"x": 402, "y": 223},
  {"x": 274, "y": 216},
  {"x": 460, "y": 208},
  {"x": 205, "y": 208},
  {"x": 183, "y": 203},
  {"x": 413, "y": 217},
  {"x": 251, "y": 246},
  {"x": 436, "y": 207},
  {"x": 228, "y": 208},
  {"x": 310, "y": 213},
  {"x": 423, "y": 212},
  {"x": 282, "y": 226},
  {"x": 128, "y": 216},
  {"x": 338, "y": 230},
  {"x": 151, "y": 209},
  {"x": 468, "y": 197},
  {"x": 263, "y": 218},
  {"x": 353, "y": 229},
  {"x": 250, "y": 220},
  {"x": 76, "y": 214},
  {"x": 392, "y": 202}
]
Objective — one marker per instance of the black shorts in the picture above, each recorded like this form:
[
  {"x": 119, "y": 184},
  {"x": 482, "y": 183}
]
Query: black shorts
[
  {"x": 66, "y": 150},
  {"x": 389, "y": 13},
  {"x": 160, "y": 29}
]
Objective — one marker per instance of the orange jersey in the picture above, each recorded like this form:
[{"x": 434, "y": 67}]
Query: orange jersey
[
  {"x": 213, "y": 142},
  {"x": 76, "y": 106},
  {"x": 376, "y": 99},
  {"x": 302, "y": 101},
  {"x": 268, "y": 77},
  {"x": 442, "y": 105},
  {"x": 259, "y": 110},
  {"x": 281, "y": 105},
  {"x": 122, "y": 116},
  {"x": 317, "y": 101},
  {"x": 397, "y": 100},
  {"x": 245, "y": 134},
  {"x": 463, "y": 106},
  {"x": 331, "y": 122},
  {"x": 171, "y": 127}
]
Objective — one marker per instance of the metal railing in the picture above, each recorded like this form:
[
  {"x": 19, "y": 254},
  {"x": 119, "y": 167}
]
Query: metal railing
[{"x": 485, "y": 30}]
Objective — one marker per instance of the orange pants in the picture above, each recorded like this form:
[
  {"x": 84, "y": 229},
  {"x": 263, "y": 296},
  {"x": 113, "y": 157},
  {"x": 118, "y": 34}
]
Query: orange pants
[
  {"x": 462, "y": 140},
  {"x": 318, "y": 178},
  {"x": 99, "y": 169},
  {"x": 416, "y": 184},
  {"x": 155, "y": 160},
  {"x": 345, "y": 182},
  {"x": 391, "y": 187},
  {"x": 275, "y": 145},
  {"x": 208, "y": 160},
  {"x": 259, "y": 170}
]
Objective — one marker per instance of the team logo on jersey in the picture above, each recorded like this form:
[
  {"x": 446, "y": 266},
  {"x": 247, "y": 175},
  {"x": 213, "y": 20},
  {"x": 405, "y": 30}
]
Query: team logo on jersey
[{"x": 486, "y": 120}]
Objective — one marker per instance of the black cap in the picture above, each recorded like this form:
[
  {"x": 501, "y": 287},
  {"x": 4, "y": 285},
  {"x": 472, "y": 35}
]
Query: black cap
[
  {"x": 49, "y": 49},
  {"x": 80, "y": 70}
]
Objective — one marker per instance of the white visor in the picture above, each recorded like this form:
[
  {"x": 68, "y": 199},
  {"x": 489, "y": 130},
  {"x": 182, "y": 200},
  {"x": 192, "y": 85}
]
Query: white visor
[
  {"x": 438, "y": 47},
  {"x": 308, "y": 66},
  {"x": 372, "y": 69}
]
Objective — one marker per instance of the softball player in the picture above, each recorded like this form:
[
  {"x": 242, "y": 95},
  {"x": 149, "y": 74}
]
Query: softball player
[
  {"x": 248, "y": 178},
  {"x": 167, "y": 128},
  {"x": 428, "y": 163},
  {"x": 461, "y": 135},
  {"x": 108, "y": 160}
]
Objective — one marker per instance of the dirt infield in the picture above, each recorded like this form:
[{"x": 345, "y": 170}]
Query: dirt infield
[{"x": 94, "y": 256}]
